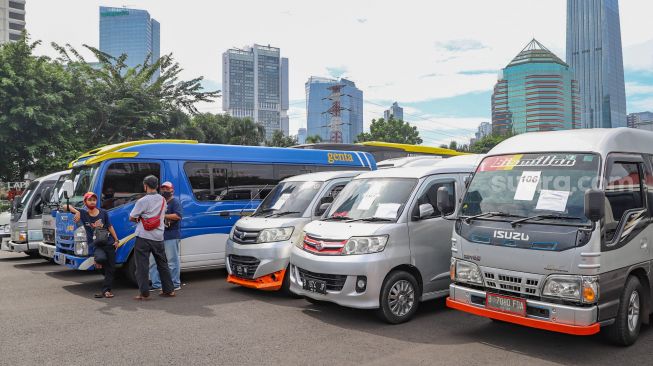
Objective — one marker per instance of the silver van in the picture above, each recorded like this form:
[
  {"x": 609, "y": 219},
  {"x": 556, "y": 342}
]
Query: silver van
[
  {"x": 555, "y": 233},
  {"x": 382, "y": 244},
  {"x": 26, "y": 215},
  {"x": 52, "y": 198},
  {"x": 258, "y": 248}
]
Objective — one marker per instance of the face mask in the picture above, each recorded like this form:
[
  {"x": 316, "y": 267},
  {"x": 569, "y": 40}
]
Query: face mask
[{"x": 166, "y": 195}]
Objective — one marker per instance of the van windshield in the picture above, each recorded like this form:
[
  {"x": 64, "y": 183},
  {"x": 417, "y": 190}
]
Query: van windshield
[
  {"x": 56, "y": 190},
  {"x": 288, "y": 199},
  {"x": 373, "y": 199},
  {"x": 25, "y": 197},
  {"x": 550, "y": 186},
  {"x": 83, "y": 178}
]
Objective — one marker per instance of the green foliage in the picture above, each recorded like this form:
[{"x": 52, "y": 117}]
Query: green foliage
[
  {"x": 314, "y": 139},
  {"x": 279, "y": 140},
  {"x": 485, "y": 144},
  {"x": 392, "y": 130}
]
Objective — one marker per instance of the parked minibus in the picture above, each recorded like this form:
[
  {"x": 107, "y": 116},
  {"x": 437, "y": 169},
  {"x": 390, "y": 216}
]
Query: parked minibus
[
  {"x": 555, "y": 233},
  {"x": 258, "y": 249},
  {"x": 216, "y": 185},
  {"x": 26, "y": 215},
  {"x": 52, "y": 197},
  {"x": 382, "y": 244}
]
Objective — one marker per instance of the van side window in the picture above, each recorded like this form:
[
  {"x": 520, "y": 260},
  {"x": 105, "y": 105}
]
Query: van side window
[
  {"x": 123, "y": 182},
  {"x": 329, "y": 197},
  {"x": 430, "y": 196},
  {"x": 623, "y": 192},
  {"x": 648, "y": 180},
  {"x": 208, "y": 180}
]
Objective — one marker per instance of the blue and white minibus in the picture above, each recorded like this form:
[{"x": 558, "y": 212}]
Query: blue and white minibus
[{"x": 216, "y": 185}]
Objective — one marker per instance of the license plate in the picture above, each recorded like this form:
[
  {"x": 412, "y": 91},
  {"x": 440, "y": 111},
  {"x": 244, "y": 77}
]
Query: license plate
[
  {"x": 315, "y": 286},
  {"x": 506, "y": 304},
  {"x": 241, "y": 270}
]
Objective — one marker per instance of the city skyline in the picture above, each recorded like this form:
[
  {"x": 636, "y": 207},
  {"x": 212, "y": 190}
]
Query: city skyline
[{"x": 445, "y": 76}]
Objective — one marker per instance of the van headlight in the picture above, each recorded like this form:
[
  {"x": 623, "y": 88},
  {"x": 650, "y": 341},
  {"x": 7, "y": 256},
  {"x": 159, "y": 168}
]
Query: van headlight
[
  {"x": 365, "y": 245},
  {"x": 275, "y": 234},
  {"x": 299, "y": 243},
  {"x": 81, "y": 245},
  {"x": 464, "y": 271},
  {"x": 583, "y": 289}
]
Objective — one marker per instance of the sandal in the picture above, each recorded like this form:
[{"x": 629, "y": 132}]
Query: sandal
[
  {"x": 168, "y": 294},
  {"x": 106, "y": 295},
  {"x": 141, "y": 298}
]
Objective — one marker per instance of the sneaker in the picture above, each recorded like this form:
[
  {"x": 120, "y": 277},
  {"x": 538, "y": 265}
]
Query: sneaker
[
  {"x": 152, "y": 289},
  {"x": 177, "y": 288}
]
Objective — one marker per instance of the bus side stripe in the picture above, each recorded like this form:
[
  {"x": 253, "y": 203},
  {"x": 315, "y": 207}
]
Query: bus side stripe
[{"x": 359, "y": 158}]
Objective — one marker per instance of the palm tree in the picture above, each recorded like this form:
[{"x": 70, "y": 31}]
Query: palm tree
[{"x": 314, "y": 139}]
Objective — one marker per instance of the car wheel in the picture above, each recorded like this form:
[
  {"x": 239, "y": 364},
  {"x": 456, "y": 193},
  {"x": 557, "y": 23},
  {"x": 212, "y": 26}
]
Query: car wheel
[
  {"x": 399, "y": 298},
  {"x": 628, "y": 322},
  {"x": 285, "y": 285}
]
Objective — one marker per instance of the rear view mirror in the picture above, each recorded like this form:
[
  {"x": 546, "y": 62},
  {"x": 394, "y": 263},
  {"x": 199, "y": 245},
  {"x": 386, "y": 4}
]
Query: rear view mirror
[
  {"x": 594, "y": 204},
  {"x": 15, "y": 202},
  {"x": 425, "y": 211},
  {"x": 322, "y": 209},
  {"x": 445, "y": 206},
  {"x": 46, "y": 194},
  {"x": 67, "y": 189}
]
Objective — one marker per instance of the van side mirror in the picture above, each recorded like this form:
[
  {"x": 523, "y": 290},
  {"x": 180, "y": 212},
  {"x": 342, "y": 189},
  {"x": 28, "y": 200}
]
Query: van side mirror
[
  {"x": 46, "y": 194},
  {"x": 468, "y": 180},
  {"x": 67, "y": 188},
  {"x": 425, "y": 211},
  {"x": 15, "y": 202},
  {"x": 322, "y": 208},
  {"x": 594, "y": 204},
  {"x": 445, "y": 206}
]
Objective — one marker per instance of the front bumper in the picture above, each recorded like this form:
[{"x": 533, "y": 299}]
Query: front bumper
[
  {"x": 269, "y": 274},
  {"x": 47, "y": 250},
  {"x": 373, "y": 266},
  {"x": 22, "y": 247},
  {"x": 552, "y": 317},
  {"x": 74, "y": 262}
]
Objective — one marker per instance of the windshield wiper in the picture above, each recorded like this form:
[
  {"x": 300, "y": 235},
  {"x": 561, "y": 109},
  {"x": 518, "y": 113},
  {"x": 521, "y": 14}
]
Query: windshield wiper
[
  {"x": 337, "y": 218},
  {"x": 545, "y": 217},
  {"x": 468, "y": 219},
  {"x": 284, "y": 213},
  {"x": 373, "y": 219}
]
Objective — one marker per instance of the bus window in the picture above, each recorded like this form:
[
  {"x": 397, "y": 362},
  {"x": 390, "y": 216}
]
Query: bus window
[
  {"x": 123, "y": 182},
  {"x": 283, "y": 171},
  {"x": 208, "y": 180},
  {"x": 248, "y": 179}
]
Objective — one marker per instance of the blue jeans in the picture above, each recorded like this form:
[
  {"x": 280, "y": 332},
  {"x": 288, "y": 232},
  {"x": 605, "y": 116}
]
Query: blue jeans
[{"x": 172, "y": 254}]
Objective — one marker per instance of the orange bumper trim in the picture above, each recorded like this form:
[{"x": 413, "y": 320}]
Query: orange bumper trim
[
  {"x": 270, "y": 282},
  {"x": 528, "y": 322}
]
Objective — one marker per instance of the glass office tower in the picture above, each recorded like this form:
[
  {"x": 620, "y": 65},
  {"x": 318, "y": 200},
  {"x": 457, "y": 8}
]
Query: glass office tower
[
  {"x": 129, "y": 31},
  {"x": 317, "y": 104},
  {"x": 255, "y": 85},
  {"x": 594, "y": 52},
  {"x": 395, "y": 111},
  {"x": 535, "y": 92}
]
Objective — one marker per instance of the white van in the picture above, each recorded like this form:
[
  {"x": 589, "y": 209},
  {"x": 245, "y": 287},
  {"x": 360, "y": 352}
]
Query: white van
[
  {"x": 52, "y": 198},
  {"x": 26, "y": 214},
  {"x": 382, "y": 244},
  {"x": 258, "y": 248}
]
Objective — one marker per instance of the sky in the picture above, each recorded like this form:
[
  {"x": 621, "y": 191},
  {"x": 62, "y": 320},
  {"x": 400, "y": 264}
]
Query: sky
[{"x": 438, "y": 59}]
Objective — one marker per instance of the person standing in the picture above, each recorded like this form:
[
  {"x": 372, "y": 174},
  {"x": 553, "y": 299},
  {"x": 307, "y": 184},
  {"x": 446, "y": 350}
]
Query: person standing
[
  {"x": 148, "y": 213},
  {"x": 98, "y": 227},
  {"x": 171, "y": 238}
]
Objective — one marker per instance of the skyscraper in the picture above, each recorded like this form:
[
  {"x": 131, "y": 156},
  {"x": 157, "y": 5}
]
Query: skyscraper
[
  {"x": 594, "y": 52},
  {"x": 395, "y": 111},
  {"x": 317, "y": 104},
  {"x": 129, "y": 31},
  {"x": 255, "y": 85},
  {"x": 12, "y": 20},
  {"x": 301, "y": 135},
  {"x": 641, "y": 120},
  {"x": 535, "y": 92}
]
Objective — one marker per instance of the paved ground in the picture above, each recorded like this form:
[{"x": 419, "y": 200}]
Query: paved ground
[{"x": 48, "y": 316}]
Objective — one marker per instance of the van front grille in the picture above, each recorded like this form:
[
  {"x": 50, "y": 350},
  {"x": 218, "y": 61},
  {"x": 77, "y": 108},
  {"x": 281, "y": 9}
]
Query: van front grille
[{"x": 511, "y": 282}]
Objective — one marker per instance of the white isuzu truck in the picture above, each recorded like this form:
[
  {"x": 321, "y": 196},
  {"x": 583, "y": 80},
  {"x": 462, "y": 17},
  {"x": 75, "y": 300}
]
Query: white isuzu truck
[{"x": 555, "y": 233}]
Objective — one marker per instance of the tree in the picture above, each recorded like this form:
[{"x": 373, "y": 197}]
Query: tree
[
  {"x": 485, "y": 144},
  {"x": 41, "y": 104},
  {"x": 314, "y": 139},
  {"x": 453, "y": 145},
  {"x": 127, "y": 103},
  {"x": 279, "y": 140},
  {"x": 392, "y": 130}
]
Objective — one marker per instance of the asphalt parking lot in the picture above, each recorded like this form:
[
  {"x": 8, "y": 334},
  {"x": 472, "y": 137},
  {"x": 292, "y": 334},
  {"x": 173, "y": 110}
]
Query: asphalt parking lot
[{"x": 48, "y": 316}]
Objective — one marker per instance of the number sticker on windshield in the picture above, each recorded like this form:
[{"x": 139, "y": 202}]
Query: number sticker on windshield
[
  {"x": 281, "y": 201},
  {"x": 527, "y": 185},
  {"x": 387, "y": 210}
]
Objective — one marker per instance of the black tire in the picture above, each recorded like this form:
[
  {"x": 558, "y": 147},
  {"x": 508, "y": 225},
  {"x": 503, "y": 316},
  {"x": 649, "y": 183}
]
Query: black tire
[
  {"x": 129, "y": 270},
  {"x": 285, "y": 285},
  {"x": 399, "y": 298},
  {"x": 625, "y": 329}
]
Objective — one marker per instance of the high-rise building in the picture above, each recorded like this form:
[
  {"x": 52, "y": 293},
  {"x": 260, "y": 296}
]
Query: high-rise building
[
  {"x": 395, "y": 111},
  {"x": 317, "y": 105},
  {"x": 535, "y": 92},
  {"x": 301, "y": 135},
  {"x": 12, "y": 20},
  {"x": 594, "y": 52},
  {"x": 129, "y": 31},
  {"x": 484, "y": 129},
  {"x": 641, "y": 120},
  {"x": 255, "y": 85}
]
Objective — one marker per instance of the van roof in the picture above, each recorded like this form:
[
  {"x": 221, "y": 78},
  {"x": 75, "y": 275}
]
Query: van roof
[
  {"x": 399, "y": 162},
  {"x": 52, "y": 176},
  {"x": 599, "y": 140},
  {"x": 456, "y": 164},
  {"x": 323, "y": 176}
]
